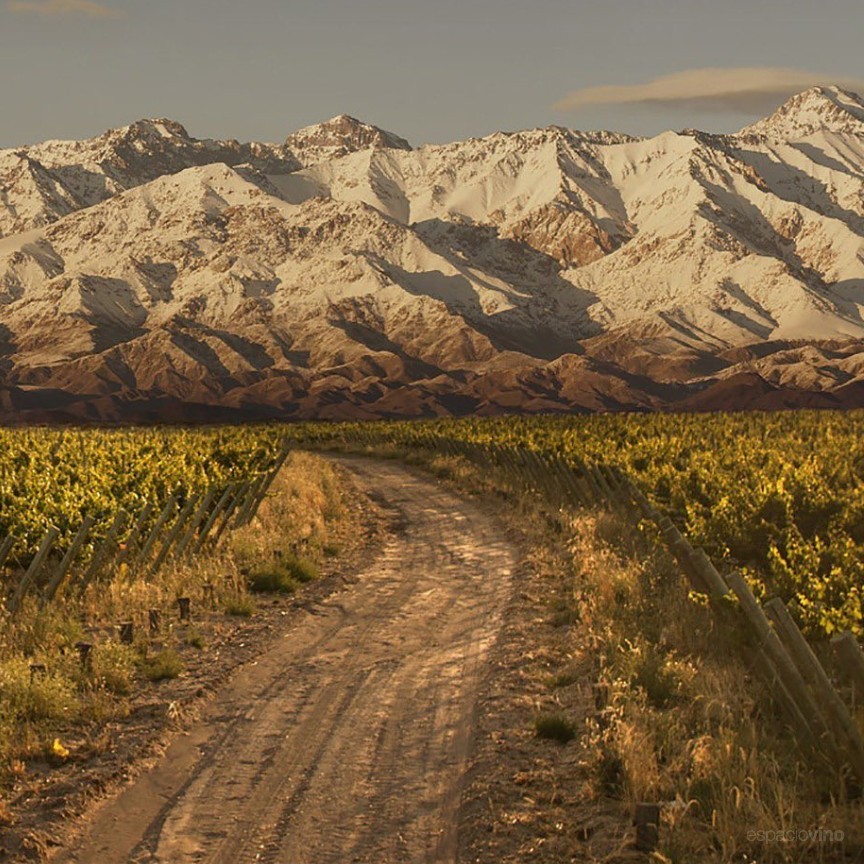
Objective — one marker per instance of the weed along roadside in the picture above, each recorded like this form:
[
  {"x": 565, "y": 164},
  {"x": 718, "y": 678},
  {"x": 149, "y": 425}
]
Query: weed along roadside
[
  {"x": 109, "y": 671},
  {"x": 631, "y": 711}
]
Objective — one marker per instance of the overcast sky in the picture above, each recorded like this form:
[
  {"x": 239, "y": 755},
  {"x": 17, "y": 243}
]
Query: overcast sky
[{"x": 431, "y": 71}]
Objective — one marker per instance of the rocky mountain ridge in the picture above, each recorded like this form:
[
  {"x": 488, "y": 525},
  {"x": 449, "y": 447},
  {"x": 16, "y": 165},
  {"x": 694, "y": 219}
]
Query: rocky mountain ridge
[{"x": 148, "y": 275}]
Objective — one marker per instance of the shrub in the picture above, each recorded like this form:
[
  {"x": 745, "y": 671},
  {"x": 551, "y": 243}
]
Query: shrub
[
  {"x": 165, "y": 664},
  {"x": 658, "y": 679},
  {"x": 330, "y": 549},
  {"x": 301, "y": 569},
  {"x": 282, "y": 575},
  {"x": 554, "y": 727},
  {"x": 46, "y": 697},
  {"x": 240, "y": 606},
  {"x": 194, "y": 639},
  {"x": 611, "y": 772},
  {"x": 271, "y": 578},
  {"x": 113, "y": 667}
]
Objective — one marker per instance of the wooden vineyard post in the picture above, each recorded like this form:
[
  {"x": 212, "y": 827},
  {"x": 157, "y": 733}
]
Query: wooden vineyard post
[
  {"x": 680, "y": 553},
  {"x": 584, "y": 484},
  {"x": 649, "y": 511},
  {"x": 101, "y": 553},
  {"x": 266, "y": 481},
  {"x": 534, "y": 473},
  {"x": 6, "y": 548},
  {"x": 260, "y": 495},
  {"x": 525, "y": 474},
  {"x": 246, "y": 504},
  {"x": 540, "y": 475},
  {"x": 509, "y": 471},
  {"x": 786, "y": 669},
  {"x": 164, "y": 516},
  {"x": 557, "y": 481},
  {"x": 504, "y": 471},
  {"x": 214, "y": 515},
  {"x": 522, "y": 475},
  {"x": 199, "y": 514},
  {"x": 698, "y": 569},
  {"x": 811, "y": 669},
  {"x": 269, "y": 478},
  {"x": 127, "y": 553},
  {"x": 766, "y": 670},
  {"x": 607, "y": 496},
  {"x": 616, "y": 495},
  {"x": 174, "y": 533},
  {"x": 32, "y": 572},
  {"x": 576, "y": 495},
  {"x": 546, "y": 478},
  {"x": 850, "y": 662},
  {"x": 522, "y": 483},
  {"x": 591, "y": 480},
  {"x": 718, "y": 589},
  {"x": 68, "y": 559},
  {"x": 230, "y": 510}
]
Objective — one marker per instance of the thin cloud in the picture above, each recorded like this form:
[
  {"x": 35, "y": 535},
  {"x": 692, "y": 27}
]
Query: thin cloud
[
  {"x": 52, "y": 8},
  {"x": 745, "y": 90}
]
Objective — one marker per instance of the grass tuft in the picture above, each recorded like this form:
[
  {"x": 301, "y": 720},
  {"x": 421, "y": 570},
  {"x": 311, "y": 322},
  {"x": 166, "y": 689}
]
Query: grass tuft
[
  {"x": 283, "y": 575},
  {"x": 113, "y": 667},
  {"x": 563, "y": 679},
  {"x": 166, "y": 664},
  {"x": 194, "y": 639},
  {"x": 554, "y": 727},
  {"x": 240, "y": 606}
]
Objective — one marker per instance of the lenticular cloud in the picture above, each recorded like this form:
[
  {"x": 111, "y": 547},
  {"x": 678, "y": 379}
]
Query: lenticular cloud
[
  {"x": 87, "y": 8},
  {"x": 747, "y": 90}
]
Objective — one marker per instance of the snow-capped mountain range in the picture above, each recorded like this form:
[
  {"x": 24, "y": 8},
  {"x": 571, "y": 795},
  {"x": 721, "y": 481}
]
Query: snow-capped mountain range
[{"x": 145, "y": 274}]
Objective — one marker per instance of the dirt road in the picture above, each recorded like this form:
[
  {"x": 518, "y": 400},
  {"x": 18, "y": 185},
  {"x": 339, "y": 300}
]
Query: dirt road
[{"x": 348, "y": 740}]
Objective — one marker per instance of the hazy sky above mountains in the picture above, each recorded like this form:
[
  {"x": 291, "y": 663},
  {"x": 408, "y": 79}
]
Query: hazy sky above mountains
[{"x": 430, "y": 71}]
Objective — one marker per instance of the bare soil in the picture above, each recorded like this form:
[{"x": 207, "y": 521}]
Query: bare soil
[
  {"x": 348, "y": 737},
  {"x": 51, "y": 802}
]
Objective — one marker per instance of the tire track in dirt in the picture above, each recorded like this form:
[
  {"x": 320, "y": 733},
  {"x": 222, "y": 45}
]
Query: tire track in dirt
[{"x": 348, "y": 740}]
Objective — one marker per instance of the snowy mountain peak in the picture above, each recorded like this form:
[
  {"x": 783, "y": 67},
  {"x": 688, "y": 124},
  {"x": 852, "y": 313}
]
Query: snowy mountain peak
[
  {"x": 150, "y": 129},
  {"x": 344, "y": 274},
  {"x": 340, "y": 136},
  {"x": 825, "y": 108}
]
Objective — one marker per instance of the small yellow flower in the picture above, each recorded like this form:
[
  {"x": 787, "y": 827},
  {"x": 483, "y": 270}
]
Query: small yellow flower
[{"x": 59, "y": 750}]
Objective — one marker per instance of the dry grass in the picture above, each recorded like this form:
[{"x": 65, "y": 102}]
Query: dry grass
[
  {"x": 678, "y": 717},
  {"x": 302, "y": 520},
  {"x": 684, "y": 722}
]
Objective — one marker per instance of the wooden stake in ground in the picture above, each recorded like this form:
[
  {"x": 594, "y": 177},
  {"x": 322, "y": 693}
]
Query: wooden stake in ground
[
  {"x": 174, "y": 533},
  {"x": 128, "y": 550},
  {"x": 155, "y": 532},
  {"x": 850, "y": 662},
  {"x": 100, "y": 556},
  {"x": 838, "y": 715},
  {"x": 787, "y": 671},
  {"x": 214, "y": 515},
  {"x": 68, "y": 559},
  {"x": 33, "y": 570}
]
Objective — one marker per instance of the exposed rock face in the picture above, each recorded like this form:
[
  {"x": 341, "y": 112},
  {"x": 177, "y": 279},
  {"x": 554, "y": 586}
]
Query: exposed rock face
[{"x": 145, "y": 274}]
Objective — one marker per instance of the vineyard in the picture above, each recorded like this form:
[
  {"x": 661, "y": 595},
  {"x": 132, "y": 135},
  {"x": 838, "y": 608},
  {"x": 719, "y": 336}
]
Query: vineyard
[
  {"x": 777, "y": 496},
  {"x": 60, "y": 478},
  {"x": 122, "y": 551},
  {"x": 107, "y": 536}
]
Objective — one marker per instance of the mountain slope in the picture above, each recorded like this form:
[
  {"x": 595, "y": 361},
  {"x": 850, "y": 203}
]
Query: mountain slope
[{"x": 147, "y": 274}]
